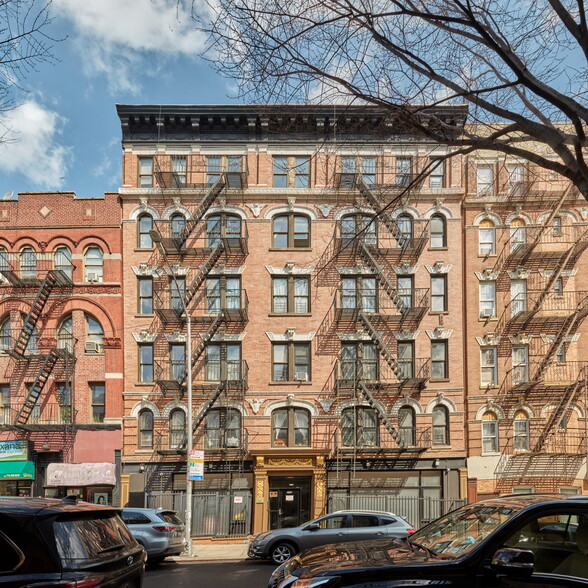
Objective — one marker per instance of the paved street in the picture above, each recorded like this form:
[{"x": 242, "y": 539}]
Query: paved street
[{"x": 244, "y": 574}]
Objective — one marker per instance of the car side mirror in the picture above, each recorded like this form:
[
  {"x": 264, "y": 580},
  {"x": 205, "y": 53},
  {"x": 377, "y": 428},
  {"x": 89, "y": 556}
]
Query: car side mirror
[
  {"x": 312, "y": 527},
  {"x": 510, "y": 560}
]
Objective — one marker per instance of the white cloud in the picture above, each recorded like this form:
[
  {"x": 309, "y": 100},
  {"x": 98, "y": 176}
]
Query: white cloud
[
  {"x": 33, "y": 148},
  {"x": 126, "y": 39}
]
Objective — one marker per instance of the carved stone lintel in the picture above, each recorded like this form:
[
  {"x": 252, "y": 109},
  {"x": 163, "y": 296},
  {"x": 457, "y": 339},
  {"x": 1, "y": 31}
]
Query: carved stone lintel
[
  {"x": 326, "y": 403},
  {"x": 256, "y": 208},
  {"x": 291, "y": 202},
  {"x": 255, "y": 404},
  {"x": 325, "y": 209}
]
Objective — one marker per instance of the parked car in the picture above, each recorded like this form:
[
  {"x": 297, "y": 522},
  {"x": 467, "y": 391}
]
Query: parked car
[
  {"x": 158, "y": 530},
  {"x": 281, "y": 544},
  {"x": 65, "y": 543},
  {"x": 513, "y": 541}
]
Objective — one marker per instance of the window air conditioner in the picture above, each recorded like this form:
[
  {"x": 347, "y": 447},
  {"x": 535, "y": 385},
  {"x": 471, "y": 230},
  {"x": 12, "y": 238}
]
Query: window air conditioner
[
  {"x": 92, "y": 277},
  {"x": 232, "y": 442},
  {"x": 92, "y": 347},
  {"x": 486, "y": 313},
  {"x": 301, "y": 377}
]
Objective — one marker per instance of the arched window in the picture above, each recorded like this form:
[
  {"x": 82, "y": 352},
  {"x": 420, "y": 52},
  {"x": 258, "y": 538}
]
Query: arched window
[
  {"x": 28, "y": 262},
  {"x": 359, "y": 427},
  {"x": 94, "y": 262},
  {"x": 438, "y": 228},
  {"x": 5, "y": 335},
  {"x": 518, "y": 234},
  {"x": 65, "y": 334},
  {"x": 4, "y": 263},
  {"x": 291, "y": 231},
  {"x": 521, "y": 431},
  {"x": 94, "y": 335},
  {"x": 407, "y": 425},
  {"x": 145, "y": 438},
  {"x": 489, "y": 432},
  {"x": 145, "y": 224},
  {"x": 440, "y": 425},
  {"x": 177, "y": 429},
  {"x": 178, "y": 226},
  {"x": 33, "y": 342},
  {"x": 223, "y": 428},
  {"x": 291, "y": 427},
  {"x": 362, "y": 224},
  {"x": 223, "y": 226},
  {"x": 63, "y": 261},
  {"x": 404, "y": 226},
  {"x": 487, "y": 238}
]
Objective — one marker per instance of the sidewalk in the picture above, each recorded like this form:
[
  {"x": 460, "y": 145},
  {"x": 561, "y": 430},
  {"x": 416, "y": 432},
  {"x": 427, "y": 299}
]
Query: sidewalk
[{"x": 217, "y": 551}]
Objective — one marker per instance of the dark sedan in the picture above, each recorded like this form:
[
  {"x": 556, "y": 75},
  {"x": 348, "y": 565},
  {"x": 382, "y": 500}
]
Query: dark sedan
[{"x": 513, "y": 541}]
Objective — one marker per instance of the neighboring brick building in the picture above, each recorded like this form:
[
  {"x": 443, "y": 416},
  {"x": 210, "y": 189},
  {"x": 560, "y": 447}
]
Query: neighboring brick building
[{"x": 60, "y": 345}]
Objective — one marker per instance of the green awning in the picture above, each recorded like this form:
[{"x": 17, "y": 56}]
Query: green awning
[{"x": 17, "y": 470}]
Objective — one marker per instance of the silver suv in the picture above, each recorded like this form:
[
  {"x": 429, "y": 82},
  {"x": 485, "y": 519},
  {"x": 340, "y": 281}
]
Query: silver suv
[{"x": 158, "y": 530}]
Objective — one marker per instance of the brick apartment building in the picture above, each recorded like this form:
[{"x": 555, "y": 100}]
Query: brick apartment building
[{"x": 60, "y": 345}]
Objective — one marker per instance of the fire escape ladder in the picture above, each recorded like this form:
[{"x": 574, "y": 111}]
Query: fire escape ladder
[
  {"x": 210, "y": 332},
  {"x": 203, "y": 272},
  {"x": 207, "y": 406},
  {"x": 203, "y": 206},
  {"x": 34, "y": 313},
  {"x": 35, "y": 390},
  {"x": 381, "y": 345},
  {"x": 381, "y": 414}
]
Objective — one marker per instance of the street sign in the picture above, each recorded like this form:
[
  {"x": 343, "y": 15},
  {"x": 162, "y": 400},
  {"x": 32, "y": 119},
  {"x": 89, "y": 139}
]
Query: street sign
[{"x": 196, "y": 470}]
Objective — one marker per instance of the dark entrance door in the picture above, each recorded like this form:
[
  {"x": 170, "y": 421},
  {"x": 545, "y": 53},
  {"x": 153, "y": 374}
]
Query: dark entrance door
[{"x": 289, "y": 501}]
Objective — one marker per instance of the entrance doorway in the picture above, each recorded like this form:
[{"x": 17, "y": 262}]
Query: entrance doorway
[{"x": 289, "y": 501}]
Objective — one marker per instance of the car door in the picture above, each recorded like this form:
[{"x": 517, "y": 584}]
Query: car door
[
  {"x": 139, "y": 525},
  {"x": 332, "y": 529},
  {"x": 365, "y": 526}
]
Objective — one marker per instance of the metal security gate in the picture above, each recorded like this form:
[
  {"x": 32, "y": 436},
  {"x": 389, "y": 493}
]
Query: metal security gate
[
  {"x": 417, "y": 511},
  {"x": 214, "y": 514}
]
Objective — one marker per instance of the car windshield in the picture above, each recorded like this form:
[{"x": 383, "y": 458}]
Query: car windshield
[{"x": 461, "y": 531}]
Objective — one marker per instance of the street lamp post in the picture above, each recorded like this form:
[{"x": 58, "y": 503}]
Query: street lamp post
[{"x": 156, "y": 238}]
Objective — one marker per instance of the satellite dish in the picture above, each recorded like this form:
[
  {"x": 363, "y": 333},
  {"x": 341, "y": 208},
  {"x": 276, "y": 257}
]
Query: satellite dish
[{"x": 8, "y": 195}]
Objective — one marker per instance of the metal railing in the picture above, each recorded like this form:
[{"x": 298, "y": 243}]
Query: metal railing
[{"x": 48, "y": 413}]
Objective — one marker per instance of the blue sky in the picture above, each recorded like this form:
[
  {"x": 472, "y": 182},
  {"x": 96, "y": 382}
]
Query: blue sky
[{"x": 114, "y": 51}]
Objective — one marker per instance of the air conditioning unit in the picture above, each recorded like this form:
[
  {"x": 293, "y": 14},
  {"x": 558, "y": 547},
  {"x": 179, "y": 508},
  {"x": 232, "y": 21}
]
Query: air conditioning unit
[
  {"x": 301, "y": 377},
  {"x": 92, "y": 347},
  {"x": 92, "y": 277},
  {"x": 486, "y": 313},
  {"x": 232, "y": 442}
]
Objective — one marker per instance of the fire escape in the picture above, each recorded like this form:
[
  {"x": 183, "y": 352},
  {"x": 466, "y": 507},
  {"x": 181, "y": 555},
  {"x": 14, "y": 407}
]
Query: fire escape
[
  {"x": 34, "y": 276},
  {"x": 552, "y": 314},
  {"x": 374, "y": 310}
]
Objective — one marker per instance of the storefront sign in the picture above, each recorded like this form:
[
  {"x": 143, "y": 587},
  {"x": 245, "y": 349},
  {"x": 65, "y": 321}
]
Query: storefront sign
[
  {"x": 17, "y": 470},
  {"x": 223, "y": 467},
  {"x": 196, "y": 471},
  {"x": 80, "y": 474},
  {"x": 14, "y": 451}
]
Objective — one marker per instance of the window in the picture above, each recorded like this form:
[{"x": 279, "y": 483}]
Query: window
[
  {"x": 63, "y": 261},
  {"x": 33, "y": 343},
  {"x": 217, "y": 164},
  {"x": 359, "y": 427},
  {"x": 177, "y": 292},
  {"x": 145, "y": 172},
  {"x": 145, "y": 362},
  {"x": 98, "y": 392},
  {"x": 222, "y": 429},
  {"x": 516, "y": 175},
  {"x": 145, "y": 429},
  {"x": 223, "y": 362},
  {"x": 223, "y": 226},
  {"x": 438, "y": 229},
  {"x": 223, "y": 293},
  {"x": 177, "y": 429},
  {"x": 556, "y": 223},
  {"x": 364, "y": 166},
  {"x": 439, "y": 293},
  {"x": 5, "y": 335},
  {"x": 64, "y": 398},
  {"x": 178, "y": 227},
  {"x": 520, "y": 364},
  {"x": 488, "y": 367},
  {"x": 28, "y": 262},
  {"x": 406, "y": 425},
  {"x": 560, "y": 356},
  {"x": 177, "y": 353},
  {"x": 518, "y": 296},
  {"x": 437, "y": 175},
  {"x": 404, "y": 226},
  {"x": 94, "y": 335},
  {"x": 359, "y": 361},
  {"x": 362, "y": 225},
  {"x": 291, "y": 295},
  {"x": 487, "y": 299},
  {"x": 65, "y": 334},
  {"x": 291, "y": 427},
  {"x": 145, "y": 224},
  {"x": 145, "y": 295},
  {"x": 558, "y": 287},
  {"x": 440, "y": 425},
  {"x": 406, "y": 360},
  {"x": 291, "y": 172},
  {"x": 291, "y": 231},
  {"x": 489, "y": 432},
  {"x": 405, "y": 293},
  {"x": 486, "y": 238},
  {"x": 359, "y": 293},
  {"x": 5, "y": 417},
  {"x": 291, "y": 362},
  {"x": 4, "y": 263},
  {"x": 403, "y": 171},
  {"x": 179, "y": 168},
  {"x": 521, "y": 431},
  {"x": 94, "y": 265},
  {"x": 485, "y": 186},
  {"x": 439, "y": 364},
  {"x": 518, "y": 234}
]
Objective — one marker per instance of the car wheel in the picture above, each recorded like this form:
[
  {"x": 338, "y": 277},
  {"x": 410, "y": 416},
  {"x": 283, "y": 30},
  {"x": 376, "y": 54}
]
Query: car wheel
[{"x": 282, "y": 552}]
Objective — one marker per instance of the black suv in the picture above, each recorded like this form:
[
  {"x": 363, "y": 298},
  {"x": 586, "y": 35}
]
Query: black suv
[{"x": 66, "y": 543}]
